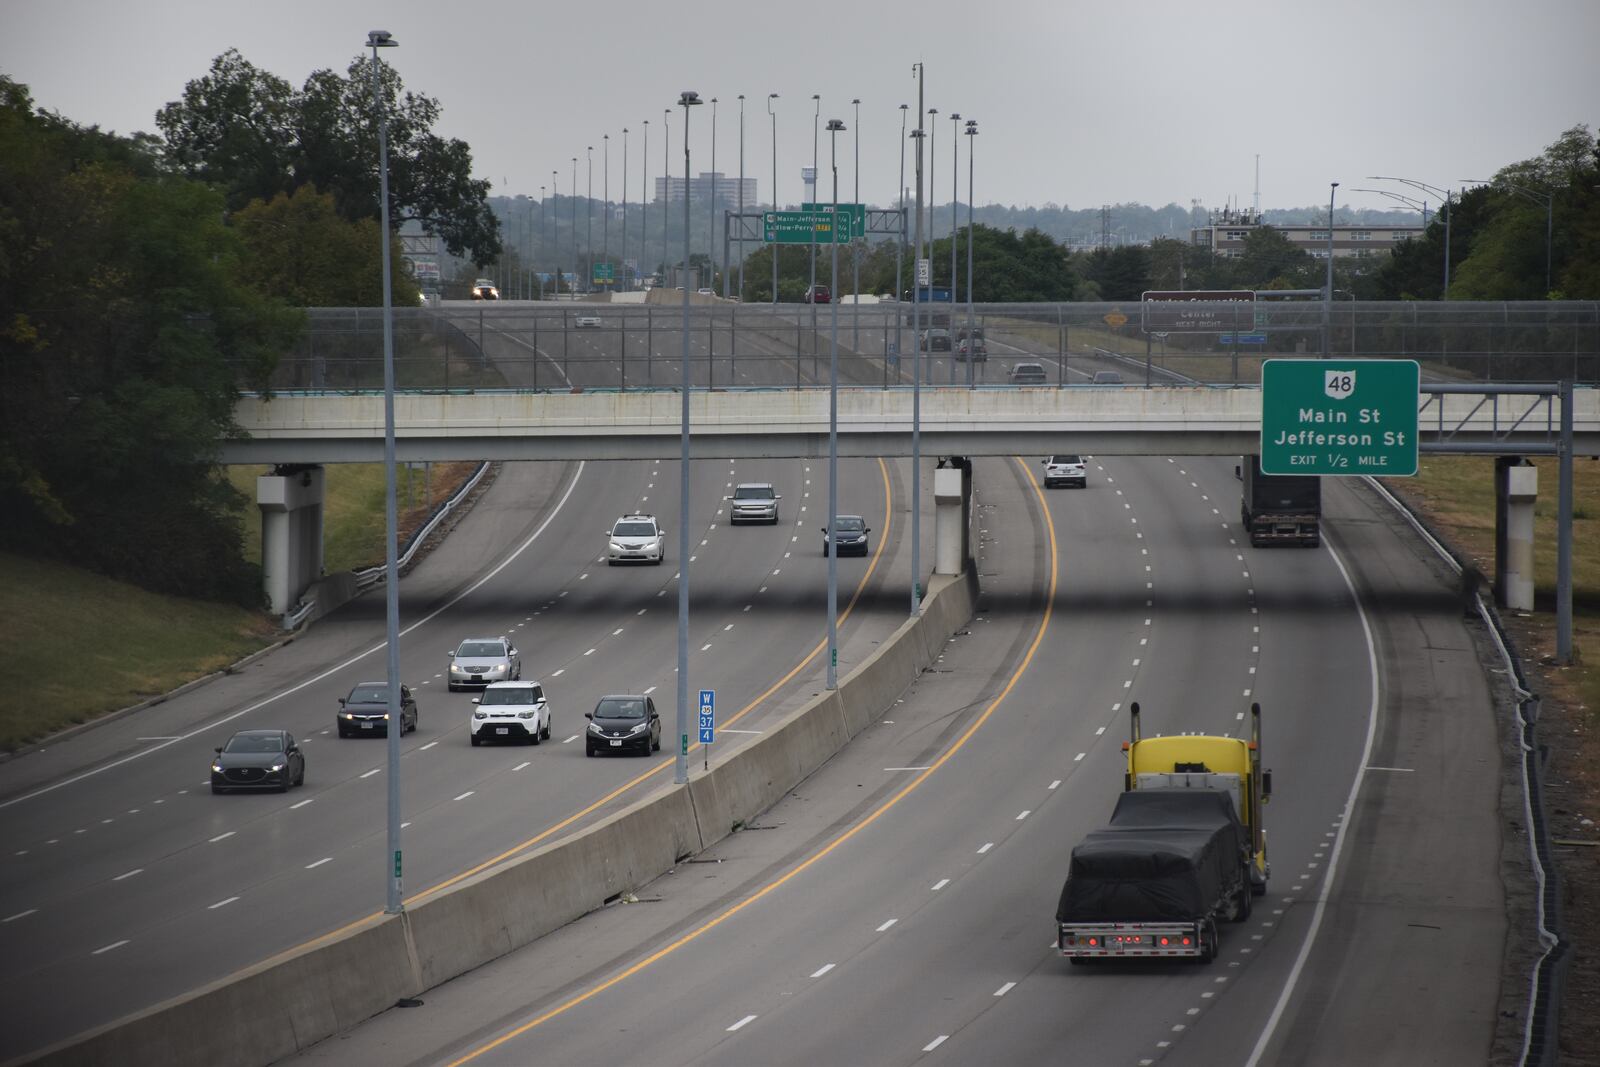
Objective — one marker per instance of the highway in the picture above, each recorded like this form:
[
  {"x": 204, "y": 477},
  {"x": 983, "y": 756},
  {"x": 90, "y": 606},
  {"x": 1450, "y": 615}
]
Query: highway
[
  {"x": 898, "y": 905},
  {"x": 125, "y": 881}
]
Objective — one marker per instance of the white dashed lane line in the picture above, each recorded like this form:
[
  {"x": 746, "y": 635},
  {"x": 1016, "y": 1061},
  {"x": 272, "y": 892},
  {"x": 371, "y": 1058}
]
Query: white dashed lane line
[
  {"x": 987, "y": 846},
  {"x": 818, "y": 973},
  {"x": 465, "y": 795},
  {"x": 748, "y": 1019},
  {"x": 886, "y": 925},
  {"x": 940, "y": 884},
  {"x": 108, "y": 948},
  {"x": 128, "y": 874},
  {"x": 34, "y": 911},
  {"x": 319, "y": 863},
  {"x": 936, "y": 1042},
  {"x": 1003, "y": 990},
  {"x": 370, "y": 773},
  {"x": 222, "y": 837},
  {"x": 221, "y": 904}
]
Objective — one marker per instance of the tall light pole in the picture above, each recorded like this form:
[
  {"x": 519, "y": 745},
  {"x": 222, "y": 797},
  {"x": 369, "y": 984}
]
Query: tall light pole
[
  {"x": 834, "y": 126},
  {"x": 955, "y": 195},
  {"x": 666, "y": 188},
  {"x": 588, "y": 217},
  {"x": 681, "y": 774},
  {"x": 855, "y": 252},
  {"x": 1327, "y": 293},
  {"x": 575, "y": 265},
  {"x": 1548, "y": 200},
  {"x": 624, "y": 254},
  {"x": 774, "y": 115},
  {"x": 933, "y": 113},
  {"x": 544, "y": 213},
  {"x": 644, "y": 200},
  {"x": 900, "y": 199},
  {"x": 711, "y": 283},
  {"x": 972, "y": 343},
  {"x": 605, "y": 199},
  {"x": 393, "y": 904},
  {"x": 1444, "y": 194},
  {"x": 741, "y": 207},
  {"x": 811, "y": 297},
  {"x": 916, "y": 373}
]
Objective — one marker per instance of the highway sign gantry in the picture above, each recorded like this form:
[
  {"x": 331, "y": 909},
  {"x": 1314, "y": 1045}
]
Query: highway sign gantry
[
  {"x": 1339, "y": 417},
  {"x": 802, "y": 228}
]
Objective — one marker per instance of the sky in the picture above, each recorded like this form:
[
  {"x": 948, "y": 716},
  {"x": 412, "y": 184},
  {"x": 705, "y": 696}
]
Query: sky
[{"x": 1077, "y": 104}]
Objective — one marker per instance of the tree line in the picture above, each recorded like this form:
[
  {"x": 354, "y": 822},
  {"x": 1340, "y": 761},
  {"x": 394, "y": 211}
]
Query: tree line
[{"x": 146, "y": 280}]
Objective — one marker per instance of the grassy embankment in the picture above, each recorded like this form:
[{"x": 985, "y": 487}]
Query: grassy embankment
[{"x": 74, "y": 645}]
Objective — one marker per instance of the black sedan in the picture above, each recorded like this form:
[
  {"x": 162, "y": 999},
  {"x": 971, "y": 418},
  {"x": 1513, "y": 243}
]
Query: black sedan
[
  {"x": 623, "y": 724},
  {"x": 850, "y": 536},
  {"x": 366, "y": 710},
  {"x": 258, "y": 759}
]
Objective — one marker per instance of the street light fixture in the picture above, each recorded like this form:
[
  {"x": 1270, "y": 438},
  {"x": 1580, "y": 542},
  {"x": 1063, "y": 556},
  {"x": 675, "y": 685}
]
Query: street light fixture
[
  {"x": 394, "y": 904},
  {"x": 1327, "y": 296},
  {"x": 835, "y": 127},
  {"x": 686, "y": 101},
  {"x": 1548, "y": 199},
  {"x": 1443, "y": 194},
  {"x": 972, "y": 342},
  {"x": 1410, "y": 201},
  {"x": 774, "y": 116}
]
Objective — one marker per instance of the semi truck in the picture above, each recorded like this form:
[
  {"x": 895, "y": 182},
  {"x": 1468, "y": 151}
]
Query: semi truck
[
  {"x": 1280, "y": 509},
  {"x": 1185, "y": 848}
]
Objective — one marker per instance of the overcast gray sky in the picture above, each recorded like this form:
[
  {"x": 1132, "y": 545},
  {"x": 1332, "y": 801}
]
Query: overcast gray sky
[{"x": 1150, "y": 101}]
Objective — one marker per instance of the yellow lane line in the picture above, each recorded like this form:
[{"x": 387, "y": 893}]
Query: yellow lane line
[{"x": 821, "y": 853}]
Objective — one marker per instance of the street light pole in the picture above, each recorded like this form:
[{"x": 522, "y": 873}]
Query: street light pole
[
  {"x": 666, "y": 188},
  {"x": 1447, "y": 196},
  {"x": 832, "y": 542},
  {"x": 972, "y": 343},
  {"x": 624, "y": 254},
  {"x": 1327, "y": 294},
  {"x": 575, "y": 262},
  {"x": 900, "y": 199},
  {"x": 933, "y": 113},
  {"x": 1549, "y": 200},
  {"x": 588, "y": 218},
  {"x": 855, "y": 251},
  {"x": 644, "y": 202},
  {"x": 681, "y": 773},
  {"x": 394, "y": 726},
  {"x": 955, "y": 195},
  {"x": 605, "y": 199},
  {"x": 916, "y": 374},
  {"x": 811, "y": 293},
  {"x": 711, "y": 283},
  {"x": 774, "y": 115},
  {"x": 741, "y": 207}
]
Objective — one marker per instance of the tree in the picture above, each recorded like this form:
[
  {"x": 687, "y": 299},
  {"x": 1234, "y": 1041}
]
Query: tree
[
  {"x": 126, "y": 336},
  {"x": 299, "y": 250},
  {"x": 245, "y": 131}
]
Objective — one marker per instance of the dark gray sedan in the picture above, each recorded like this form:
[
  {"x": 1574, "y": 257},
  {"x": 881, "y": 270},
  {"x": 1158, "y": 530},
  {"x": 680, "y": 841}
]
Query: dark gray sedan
[
  {"x": 258, "y": 759},
  {"x": 849, "y": 536}
]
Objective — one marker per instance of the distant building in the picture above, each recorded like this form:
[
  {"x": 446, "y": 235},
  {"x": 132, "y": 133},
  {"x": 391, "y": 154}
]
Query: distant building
[
  {"x": 670, "y": 190},
  {"x": 1227, "y": 230}
]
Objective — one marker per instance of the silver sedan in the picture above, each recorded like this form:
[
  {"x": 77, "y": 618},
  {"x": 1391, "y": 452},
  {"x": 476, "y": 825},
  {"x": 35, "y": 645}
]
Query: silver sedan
[{"x": 482, "y": 660}]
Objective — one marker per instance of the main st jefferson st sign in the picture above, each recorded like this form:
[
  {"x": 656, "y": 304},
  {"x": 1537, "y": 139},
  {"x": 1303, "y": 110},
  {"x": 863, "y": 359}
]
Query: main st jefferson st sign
[{"x": 1352, "y": 417}]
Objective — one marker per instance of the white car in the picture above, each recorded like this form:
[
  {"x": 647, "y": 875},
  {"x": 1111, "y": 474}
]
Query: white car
[
  {"x": 511, "y": 711},
  {"x": 588, "y": 321},
  {"x": 1065, "y": 470},
  {"x": 636, "y": 539}
]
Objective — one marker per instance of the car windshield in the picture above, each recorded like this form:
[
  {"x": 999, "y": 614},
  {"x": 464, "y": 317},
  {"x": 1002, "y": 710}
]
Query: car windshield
[
  {"x": 634, "y": 529},
  {"x": 752, "y": 493},
  {"x": 482, "y": 648},
  {"x": 368, "y": 694},
  {"x": 527, "y": 694},
  {"x": 1066, "y": 459},
  {"x": 254, "y": 743},
  {"x": 850, "y": 524},
  {"x": 620, "y": 708}
]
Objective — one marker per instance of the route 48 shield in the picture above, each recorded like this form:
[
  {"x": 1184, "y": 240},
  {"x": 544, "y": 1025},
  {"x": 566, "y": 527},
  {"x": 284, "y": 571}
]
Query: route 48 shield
[{"x": 1339, "y": 384}]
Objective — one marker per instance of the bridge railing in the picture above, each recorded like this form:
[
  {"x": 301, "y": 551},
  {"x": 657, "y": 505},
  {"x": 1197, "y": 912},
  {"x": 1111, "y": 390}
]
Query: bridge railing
[{"x": 548, "y": 347}]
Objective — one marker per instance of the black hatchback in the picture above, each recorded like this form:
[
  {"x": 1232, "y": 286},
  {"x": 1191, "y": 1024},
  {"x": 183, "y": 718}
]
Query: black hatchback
[
  {"x": 366, "y": 710},
  {"x": 620, "y": 724},
  {"x": 258, "y": 759}
]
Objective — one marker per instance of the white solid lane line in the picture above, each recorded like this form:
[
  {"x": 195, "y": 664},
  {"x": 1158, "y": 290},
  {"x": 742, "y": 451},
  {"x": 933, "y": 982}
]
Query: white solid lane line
[
  {"x": 108, "y": 948},
  {"x": 818, "y": 973},
  {"x": 742, "y": 1022}
]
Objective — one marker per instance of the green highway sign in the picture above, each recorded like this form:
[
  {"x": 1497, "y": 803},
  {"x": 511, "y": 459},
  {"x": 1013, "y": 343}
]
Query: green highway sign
[
  {"x": 1339, "y": 416},
  {"x": 605, "y": 273},
  {"x": 801, "y": 228},
  {"x": 855, "y": 213}
]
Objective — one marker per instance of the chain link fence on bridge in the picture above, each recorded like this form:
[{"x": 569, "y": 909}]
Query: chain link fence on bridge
[{"x": 565, "y": 346}]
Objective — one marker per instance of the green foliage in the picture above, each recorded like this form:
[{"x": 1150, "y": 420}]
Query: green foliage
[
  {"x": 249, "y": 133},
  {"x": 125, "y": 334},
  {"x": 299, "y": 250}
]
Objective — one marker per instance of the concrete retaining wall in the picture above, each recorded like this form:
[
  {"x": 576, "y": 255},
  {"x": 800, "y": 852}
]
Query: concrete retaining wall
[{"x": 288, "y": 1003}]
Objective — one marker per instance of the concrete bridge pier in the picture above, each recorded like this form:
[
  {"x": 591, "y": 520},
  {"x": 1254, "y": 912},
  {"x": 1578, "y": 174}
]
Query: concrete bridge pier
[
  {"x": 290, "y": 499},
  {"x": 1516, "y": 490},
  {"x": 952, "y": 515}
]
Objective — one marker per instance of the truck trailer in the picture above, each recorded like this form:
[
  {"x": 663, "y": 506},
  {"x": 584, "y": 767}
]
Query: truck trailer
[
  {"x": 1184, "y": 849},
  {"x": 1280, "y": 509}
]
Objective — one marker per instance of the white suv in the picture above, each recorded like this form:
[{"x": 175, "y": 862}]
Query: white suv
[
  {"x": 1065, "y": 470},
  {"x": 511, "y": 711},
  {"x": 636, "y": 538}
]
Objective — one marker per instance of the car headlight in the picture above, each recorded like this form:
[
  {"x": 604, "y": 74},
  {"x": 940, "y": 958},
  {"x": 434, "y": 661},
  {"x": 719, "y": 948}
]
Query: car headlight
[
  {"x": 636, "y": 729},
  {"x": 527, "y": 714},
  {"x": 216, "y": 768},
  {"x": 594, "y": 728},
  {"x": 456, "y": 668},
  {"x": 276, "y": 767},
  {"x": 349, "y": 715},
  {"x": 615, "y": 547},
  {"x": 480, "y": 715}
]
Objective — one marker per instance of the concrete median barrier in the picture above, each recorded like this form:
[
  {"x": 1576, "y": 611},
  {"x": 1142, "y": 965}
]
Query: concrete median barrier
[{"x": 292, "y": 1001}]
